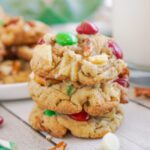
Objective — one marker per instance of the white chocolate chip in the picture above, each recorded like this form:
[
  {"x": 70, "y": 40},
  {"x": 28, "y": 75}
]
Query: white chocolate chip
[
  {"x": 99, "y": 59},
  {"x": 47, "y": 37},
  {"x": 110, "y": 142}
]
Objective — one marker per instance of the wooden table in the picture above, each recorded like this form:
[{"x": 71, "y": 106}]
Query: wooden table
[{"x": 134, "y": 134}]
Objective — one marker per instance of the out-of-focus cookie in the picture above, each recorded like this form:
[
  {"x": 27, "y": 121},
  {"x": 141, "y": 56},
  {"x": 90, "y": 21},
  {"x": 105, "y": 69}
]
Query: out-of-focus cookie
[
  {"x": 14, "y": 71},
  {"x": 70, "y": 98},
  {"x": 58, "y": 124},
  {"x": 24, "y": 52},
  {"x": 15, "y": 31}
]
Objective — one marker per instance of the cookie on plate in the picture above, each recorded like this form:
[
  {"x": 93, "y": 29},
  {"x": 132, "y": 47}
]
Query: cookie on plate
[
  {"x": 92, "y": 127},
  {"x": 15, "y": 31}
]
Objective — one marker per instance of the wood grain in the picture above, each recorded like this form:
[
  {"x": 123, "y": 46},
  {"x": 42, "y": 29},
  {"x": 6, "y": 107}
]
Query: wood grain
[
  {"x": 133, "y": 134},
  {"x": 24, "y": 137}
]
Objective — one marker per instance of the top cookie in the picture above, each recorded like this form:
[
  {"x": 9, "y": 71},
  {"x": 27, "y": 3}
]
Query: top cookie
[{"x": 88, "y": 57}]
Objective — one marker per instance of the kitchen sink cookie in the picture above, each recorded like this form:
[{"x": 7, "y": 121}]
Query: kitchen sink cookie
[
  {"x": 85, "y": 58},
  {"x": 80, "y": 125},
  {"x": 15, "y": 31},
  {"x": 14, "y": 71},
  {"x": 69, "y": 98}
]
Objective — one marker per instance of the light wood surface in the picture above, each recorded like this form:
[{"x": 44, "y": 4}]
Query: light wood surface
[
  {"x": 134, "y": 134},
  {"x": 23, "y": 135}
]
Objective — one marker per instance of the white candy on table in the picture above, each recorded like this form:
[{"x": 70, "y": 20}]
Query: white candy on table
[{"x": 110, "y": 142}]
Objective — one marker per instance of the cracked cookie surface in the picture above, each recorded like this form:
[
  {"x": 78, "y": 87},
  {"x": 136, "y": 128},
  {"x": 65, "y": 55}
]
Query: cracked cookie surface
[
  {"x": 95, "y": 100},
  {"x": 95, "y": 127},
  {"x": 88, "y": 62}
]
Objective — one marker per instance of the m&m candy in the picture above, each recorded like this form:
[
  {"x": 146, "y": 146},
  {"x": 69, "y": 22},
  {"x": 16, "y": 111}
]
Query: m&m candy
[
  {"x": 116, "y": 50},
  {"x": 49, "y": 113},
  {"x": 65, "y": 38},
  {"x": 81, "y": 116},
  {"x": 87, "y": 27},
  {"x": 1, "y": 120}
]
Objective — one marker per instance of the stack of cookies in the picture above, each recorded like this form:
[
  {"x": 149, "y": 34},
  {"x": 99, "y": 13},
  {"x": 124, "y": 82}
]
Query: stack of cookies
[{"x": 78, "y": 83}]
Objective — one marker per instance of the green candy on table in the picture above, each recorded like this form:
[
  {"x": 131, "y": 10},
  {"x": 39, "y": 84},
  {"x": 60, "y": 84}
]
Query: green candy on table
[
  {"x": 65, "y": 38},
  {"x": 49, "y": 113}
]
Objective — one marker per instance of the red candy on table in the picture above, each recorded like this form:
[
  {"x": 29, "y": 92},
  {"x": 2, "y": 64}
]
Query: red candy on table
[
  {"x": 115, "y": 49},
  {"x": 123, "y": 81},
  {"x": 1, "y": 120},
  {"x": 81, "y": 116},
  {"x": 87, "y": 27}
]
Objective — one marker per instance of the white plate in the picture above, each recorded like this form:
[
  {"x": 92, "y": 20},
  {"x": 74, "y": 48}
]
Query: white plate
[{"x": 14, "y": 91}]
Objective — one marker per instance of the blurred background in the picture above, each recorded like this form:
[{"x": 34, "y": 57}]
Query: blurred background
[{"x": 58, "y": 11}]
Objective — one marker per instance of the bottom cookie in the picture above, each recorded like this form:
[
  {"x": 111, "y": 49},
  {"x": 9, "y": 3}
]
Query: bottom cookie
[{"x": 58, "y": 124}]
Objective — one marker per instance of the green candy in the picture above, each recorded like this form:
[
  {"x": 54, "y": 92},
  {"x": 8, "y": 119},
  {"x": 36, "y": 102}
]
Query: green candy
[
  {"x": 70, "y": 90},
  {"x": 49, "y": 113},
  {"x": 65, "y": 38}
]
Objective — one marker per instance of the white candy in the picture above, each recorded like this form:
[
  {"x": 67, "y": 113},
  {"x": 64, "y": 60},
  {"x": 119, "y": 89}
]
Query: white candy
[{"x": 110, "y": 142}]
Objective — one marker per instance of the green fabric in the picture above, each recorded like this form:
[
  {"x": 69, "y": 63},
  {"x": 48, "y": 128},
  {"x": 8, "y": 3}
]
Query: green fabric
[{"x": 52, "y": 11}]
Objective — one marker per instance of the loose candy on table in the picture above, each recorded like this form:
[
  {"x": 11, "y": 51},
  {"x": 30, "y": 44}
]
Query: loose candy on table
[
  {"x": 110, "y": 142},
  {"x": 1, "y": 120},
  {"x": 81, "y": 116},
  {"x": 87, "y": 27},
  {"x": 65, "y": 38},
  {"x": 7, "y": 145},
  {"x": 116, "y": 50},
  {"x": 49, "y": 113}
]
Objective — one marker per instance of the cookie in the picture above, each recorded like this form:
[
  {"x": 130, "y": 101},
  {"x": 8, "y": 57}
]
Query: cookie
[
  {"x": 16, "y": 31},
  {"x": 58, "y": 125},
  {"x": 69, "y": 98},
  {"x": 24, "y": 52},
  {"x": 14, "y": 71},
  {"x": 89, "y": 61}
]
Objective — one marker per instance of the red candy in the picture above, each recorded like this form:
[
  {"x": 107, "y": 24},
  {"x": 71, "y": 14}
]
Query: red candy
[
  {"x": 41, "y": 41},
  {"x": 123, "y": 81},
  {"x": 115, "y": 49},
  {"x": 31, "y": 23},
  {"x": 81, "y": 116},
  {"x": 87, "y": 28},
  {"x": 1, "y": 120}
]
